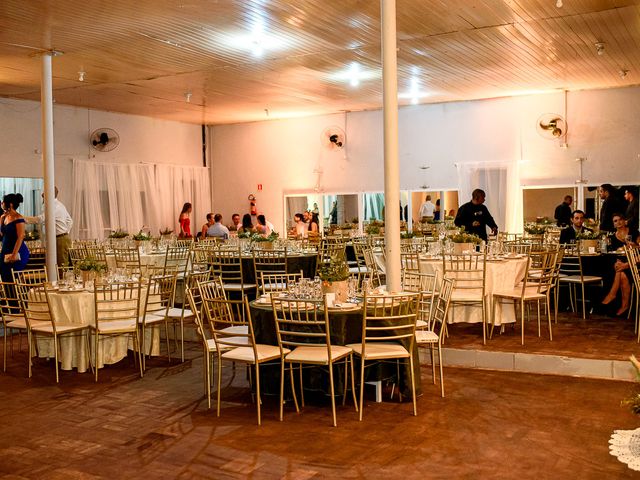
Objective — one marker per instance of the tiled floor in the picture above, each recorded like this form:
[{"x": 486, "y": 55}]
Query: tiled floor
[{"x": 490, "y": 425}]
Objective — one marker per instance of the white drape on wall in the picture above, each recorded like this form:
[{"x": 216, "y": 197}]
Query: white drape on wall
[
  {"x": 501, "y": 183},
  {"x": 135, "y": 196},
  {"x": 30, "y": 188}
]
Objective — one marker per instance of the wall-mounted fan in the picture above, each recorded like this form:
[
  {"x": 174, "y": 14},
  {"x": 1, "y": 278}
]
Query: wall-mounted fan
[
  {"x": 333, "y": 138},
  {"x": 104, "y": 139},
  {"x": 551, "y": 125}
]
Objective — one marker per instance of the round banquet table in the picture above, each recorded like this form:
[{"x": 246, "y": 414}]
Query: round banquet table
[
  {"x": 345, "y": 327},
  {"x": 78, "y": 308},
  {"x": 146, "y": 260},
  {"x": 501, "y": 275}
]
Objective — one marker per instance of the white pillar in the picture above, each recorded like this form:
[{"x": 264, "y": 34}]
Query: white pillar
[
  {"x": 391, "y": 163},
  {"x": 46, "y": 105}
]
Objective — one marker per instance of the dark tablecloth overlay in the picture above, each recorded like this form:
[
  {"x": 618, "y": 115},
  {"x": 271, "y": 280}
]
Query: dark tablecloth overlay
[{"x": 345, "y": 327}]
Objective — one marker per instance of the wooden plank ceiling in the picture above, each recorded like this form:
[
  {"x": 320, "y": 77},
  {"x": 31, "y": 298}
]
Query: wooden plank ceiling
[{"x": 143, "y": 57}]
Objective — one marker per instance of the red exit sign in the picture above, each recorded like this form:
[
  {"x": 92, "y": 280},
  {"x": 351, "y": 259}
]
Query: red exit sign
[{"x": 259, "y": 187}]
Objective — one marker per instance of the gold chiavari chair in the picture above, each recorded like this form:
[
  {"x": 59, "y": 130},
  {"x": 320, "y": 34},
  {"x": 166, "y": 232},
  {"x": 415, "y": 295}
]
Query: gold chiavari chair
[
  {"x": 433, "y": 312},
  {"x": 278, "y": 282},
  {"x": 633, "y": 258},
  {"x": 234, "y": 346},
  {"x": 77, "y": 254},
  {"x": 177, "y": 259},
  {"x": 388, "y": 333},
  {"x": 304, "y": 338},
  {"x": 30, "y": 277},
  {"x": 117, "y": 308},
  {"x": 159, "y": 299},
  {"x": 425, "y": 284},
  {"x": 97, "y": 253},
  {"x": 226, "y": 263},
  {"x": 12, "y": 317},
  {"x": 128, "y": 258},
  {"x": 572, "y": 275},
  {"x": 470, "y": 274},
  {"x": 269, "y": 261},
  {"x": 40, "y": 320}
]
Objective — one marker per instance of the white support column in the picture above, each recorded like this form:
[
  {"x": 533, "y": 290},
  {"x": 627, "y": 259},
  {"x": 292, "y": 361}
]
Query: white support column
[
  {"x": 391, "y": 162},
  {"x": 46, "y": 105}
]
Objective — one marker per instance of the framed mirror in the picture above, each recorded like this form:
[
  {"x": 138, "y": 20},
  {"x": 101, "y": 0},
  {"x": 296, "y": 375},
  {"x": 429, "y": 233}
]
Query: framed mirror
[
  {"x": 540, "y": 202},
  {"x": 340, "y": 208}
]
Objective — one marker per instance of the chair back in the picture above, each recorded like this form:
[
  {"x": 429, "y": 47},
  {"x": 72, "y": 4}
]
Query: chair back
[
  {"x": 9, "y": 304},
  {"x": 77, "y": 254},
  {"x": 194, "y": 301},
  {"x": 572, "y": 262},
  {"x": 269, "y": 261},
  {"x": 373, "y": 270},
  {"x": 469, "y": 272},
  {"x": 176, "y": 259},
  {"x": 37, "y": 258},
  {"x": 427, "y": 285},
  {"x": 117, "y": 301},
  {"x": 34, "y": 302},
  {"x": 30, "y": 277},
  {"x": 226, "y": 263},
  {"x": 518, "y": 247},
  {"x": 129, "y": 258},
  {"x": 439, "y": 308},
  {"x": 390, "y": 318},
  {"x": 278, "y": 282},
  {"x": 409, "y": 260},
  {"x": 223, "y": 315},
  {"x": 301, "y": 322},
  {"x": 160, "y": 294}
]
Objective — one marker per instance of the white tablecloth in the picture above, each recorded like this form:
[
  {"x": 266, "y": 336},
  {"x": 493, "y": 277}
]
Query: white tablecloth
[
  {"x": 79, "y": 308},
  {"x": 146, "y": 260},
  {"x": 501, "y": 275}
]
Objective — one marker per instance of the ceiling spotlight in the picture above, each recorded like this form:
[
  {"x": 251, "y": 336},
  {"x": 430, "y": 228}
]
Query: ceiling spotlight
[
  {"x": 623, "y": 73},
  {"x": 599, "y": 48},
  {"x": 188, "y": 96},
  {"x": 559, "y": 4},
  {"x": 81, "y": 75}
]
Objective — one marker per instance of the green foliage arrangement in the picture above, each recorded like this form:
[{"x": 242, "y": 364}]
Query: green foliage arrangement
[
  {"x": 119, "y": 233},
  {"x": 32, "y": 235},
  {"x": 257, "y": 238},
  {"x": 587, "y": 235},
  {"x": 335, "y": 270},
  {"x": 535, "y": 228},
  {"x": 405, "y": 235},
  {"x": 244, "y": 235},
  {"x": 89, "y": 264},
  {"x": 463, "y": 237},
  {"x": 374, "y": 227},
  {"x": 141, "y": 236}
]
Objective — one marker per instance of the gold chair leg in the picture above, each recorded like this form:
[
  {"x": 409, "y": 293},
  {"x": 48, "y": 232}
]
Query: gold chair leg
[
  {"x": 441, "y": 371},
  {"x": 96, "y": 344},
  {"x": 301, "y": 385},
  {"x": 362, "y": 385},
  {"x": 55, "y": 356},
  {"x": 258, "y": 400},
  {"x": 333, "y": 396},
  {"x": 353, "y": 383},
  {"x": 538, "y": 305},
  {"x": 293, "y": 388},
  {"x": 413, "y": 387},
  {"x": 219, "y": 384},
  {"x": 281, "y": 388},
  {"x": 346, "y": 378}
]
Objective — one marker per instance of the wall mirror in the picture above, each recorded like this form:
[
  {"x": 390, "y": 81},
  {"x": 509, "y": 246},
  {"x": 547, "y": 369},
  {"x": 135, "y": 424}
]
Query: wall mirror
[
  {"x": 339, "y": 209},
  {"x": 540, "y": 203},
  {"x": 31, "y": 190}
]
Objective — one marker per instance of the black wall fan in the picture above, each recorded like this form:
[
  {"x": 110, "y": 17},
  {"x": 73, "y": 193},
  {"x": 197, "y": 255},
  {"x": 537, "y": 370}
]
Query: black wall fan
[{"x": 104, "y": 139}]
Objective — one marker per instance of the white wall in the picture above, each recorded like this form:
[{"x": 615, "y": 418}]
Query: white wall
[
  {"x": 142, "y": 139},
  {"x": 282, "y": 155}
]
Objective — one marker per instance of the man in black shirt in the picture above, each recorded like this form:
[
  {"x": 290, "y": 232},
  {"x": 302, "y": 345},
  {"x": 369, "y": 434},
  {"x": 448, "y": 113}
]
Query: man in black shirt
[
  {"x": 563, "y": 212},
  {"x": 475, "y": 217},
  {"x": 568, "y": 235},
  {"x": 631, "y": 196}
]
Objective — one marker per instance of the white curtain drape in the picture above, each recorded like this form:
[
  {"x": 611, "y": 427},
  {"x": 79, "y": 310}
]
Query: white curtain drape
[
  {"x": 31, "y": 190},
  {"x": 132, "y": 197},
  {"x": 501, "y": 183}
]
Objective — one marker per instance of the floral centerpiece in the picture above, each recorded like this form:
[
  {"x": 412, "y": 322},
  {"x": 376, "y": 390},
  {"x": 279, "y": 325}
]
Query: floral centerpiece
[
  {"x": 141, "y": 236},
  {"x": 90, "y": 268},
  {"x": 464, "y": 242},
  {"x": 244, "y": 235},
  {"x": 263, "y": 242},
  {"x": 588, "y": 235},
  {"x": 335, "y": 275},
  {"x": 535, "y": 228},
  {"x": 407, "y": 235},
  {"x": 588, "y": 241},
  {"x": 374, "y": 227},
  {"x": 119, "y": 233}
]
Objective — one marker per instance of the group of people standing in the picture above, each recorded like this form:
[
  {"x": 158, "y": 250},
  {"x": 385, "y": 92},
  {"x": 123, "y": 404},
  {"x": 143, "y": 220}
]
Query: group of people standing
[
  {"x": 305, "y": 222},
  {"x": 214, "y": 226}
]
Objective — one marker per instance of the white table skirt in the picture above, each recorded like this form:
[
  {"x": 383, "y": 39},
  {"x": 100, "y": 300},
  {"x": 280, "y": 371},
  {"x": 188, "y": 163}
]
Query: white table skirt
[
  {"x": 501, "y": 275},
  {"x": 146, "y": 260},
  {"x": 79, "y": 308}
]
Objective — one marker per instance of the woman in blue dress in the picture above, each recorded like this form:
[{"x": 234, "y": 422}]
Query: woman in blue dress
[{"x": 14, "y": 254}]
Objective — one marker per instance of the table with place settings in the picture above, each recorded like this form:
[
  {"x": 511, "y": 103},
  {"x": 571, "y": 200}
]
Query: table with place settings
[
  {"x": 502, "y": 274},
  {"x": 76, "y": 306}
]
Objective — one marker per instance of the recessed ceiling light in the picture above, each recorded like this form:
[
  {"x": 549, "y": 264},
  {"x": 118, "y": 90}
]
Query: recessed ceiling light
[
  {"x": 354, "y": 74},
  {"x": 414, "y": 93}
]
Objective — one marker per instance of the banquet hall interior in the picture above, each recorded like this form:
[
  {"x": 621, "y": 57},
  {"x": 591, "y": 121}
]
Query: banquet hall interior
[{"x": 279, "y": 108}]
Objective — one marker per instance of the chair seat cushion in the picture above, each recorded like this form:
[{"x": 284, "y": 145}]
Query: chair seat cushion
[
  {"x": 530, "y": 293},
  {"x": 246, "y": 354},
  {"x": 380, "y": 350},
  {"x": 153, "y": 318},
  {"x": 237, "y": 287},
  {"x": 471, "y": 295},
  {"x": 47, "y": 327},
  {"x": 117, "y": 326},
  {"x": 426, "y": 336},
  {"x": 578, "y": 279},
  {"x": 176, "y": 313},
  {"x": 237, "y": 330},
  {"x": 21, "y": 323},
  {"x": 421, "y": 324},
  {"x": 317, "y": 354}
]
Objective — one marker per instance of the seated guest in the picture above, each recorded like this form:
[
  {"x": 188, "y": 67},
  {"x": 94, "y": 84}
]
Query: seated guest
[
  {"x": 205, "y": 227},
  {"x": 314, "y": 223},
  {"x": 218, "y": 229},
  {"x": 262, "y": 228},
  {"x": 300, "y": 228},
  {"x": 235, "y": 225},
  {"x": 622, "y": 277},
  {"x": 247, "y": 224},
  {"x": 568, "y": 235}
]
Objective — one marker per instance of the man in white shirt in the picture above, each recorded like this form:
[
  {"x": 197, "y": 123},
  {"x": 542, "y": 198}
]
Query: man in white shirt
[
  {"x": 300, "y": 229},
  {"x": 218, "y": 229},
  {"x": 426, "y": 210},
  {"x": 64, "y": 223}
]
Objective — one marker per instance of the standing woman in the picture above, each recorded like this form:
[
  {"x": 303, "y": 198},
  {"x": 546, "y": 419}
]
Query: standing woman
[
  {"x": 314, "y": 223},
  {"x": 185, "y": 221},
  {"x": 14, "y": 254},
  {"x": 436, "y": 212}
]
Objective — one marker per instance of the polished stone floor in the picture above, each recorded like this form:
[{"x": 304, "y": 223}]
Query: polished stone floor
[{"x": 490, "y": 425}]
